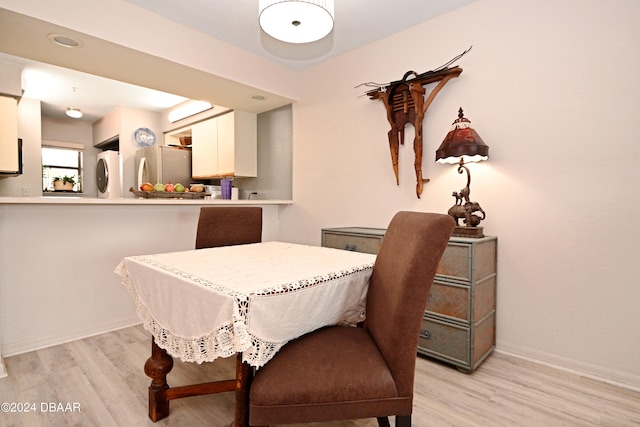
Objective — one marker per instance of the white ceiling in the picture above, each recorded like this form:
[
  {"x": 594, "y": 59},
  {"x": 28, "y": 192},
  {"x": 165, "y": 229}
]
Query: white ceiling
[
  {"x": 59, "y": 88},
  {"x": 357, "y": 23}
]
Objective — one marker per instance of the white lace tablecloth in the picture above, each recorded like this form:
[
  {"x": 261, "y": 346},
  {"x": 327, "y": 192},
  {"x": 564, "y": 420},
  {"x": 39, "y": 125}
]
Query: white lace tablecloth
[{"x": 208, "y": 303}]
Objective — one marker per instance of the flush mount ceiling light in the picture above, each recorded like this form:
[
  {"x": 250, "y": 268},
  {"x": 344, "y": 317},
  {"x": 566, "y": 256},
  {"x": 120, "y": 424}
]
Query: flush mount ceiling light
[
  {"x": 188, "y": 110},
  {"x": 74, "y": 113},
  {"x": 296, "y": 21},
  {"x": 65, "y": 40}
]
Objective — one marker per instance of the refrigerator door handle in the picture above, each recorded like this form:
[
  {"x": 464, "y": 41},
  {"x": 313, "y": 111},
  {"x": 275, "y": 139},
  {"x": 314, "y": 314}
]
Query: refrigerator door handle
[{"x": 141, "y": 170}]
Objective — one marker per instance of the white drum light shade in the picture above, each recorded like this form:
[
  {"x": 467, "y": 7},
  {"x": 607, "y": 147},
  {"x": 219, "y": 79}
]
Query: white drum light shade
[
  {"x": 74, "y": 113},
  {"x": 296, "y": 21}
]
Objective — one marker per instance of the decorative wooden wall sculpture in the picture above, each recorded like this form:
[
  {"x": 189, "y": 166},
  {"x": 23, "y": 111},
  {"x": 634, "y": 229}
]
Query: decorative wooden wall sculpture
[{"x": 405, "y": 103}]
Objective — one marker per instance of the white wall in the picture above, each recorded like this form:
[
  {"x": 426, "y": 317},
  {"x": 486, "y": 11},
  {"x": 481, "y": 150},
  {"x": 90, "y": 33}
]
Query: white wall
[
  {"x": 107, "y": 127},
  {"x": 552, "y": 88},
  {"x": 275, "y": 156}
]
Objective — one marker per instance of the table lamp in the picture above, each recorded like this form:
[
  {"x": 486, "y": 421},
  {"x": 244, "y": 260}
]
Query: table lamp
[{"x": 463, "y": 144}]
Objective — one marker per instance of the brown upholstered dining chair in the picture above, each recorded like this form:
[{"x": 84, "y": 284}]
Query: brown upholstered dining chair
[
  {"x": 341, "y": 372},
  {"x": 228, "y": 225}
]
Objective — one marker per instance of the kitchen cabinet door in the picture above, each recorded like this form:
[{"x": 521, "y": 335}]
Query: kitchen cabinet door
[
  {"x": 238, "y": 144},
  {"x": 8, "y": 134},
  {"x": 225, "y": 146},
  {"x": 204, "y": 151}
]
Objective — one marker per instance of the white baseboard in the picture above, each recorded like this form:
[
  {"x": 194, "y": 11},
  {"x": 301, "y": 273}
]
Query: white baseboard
[
  {"x": 20, "y": 347},
  {"x": 598, "y": 373}
]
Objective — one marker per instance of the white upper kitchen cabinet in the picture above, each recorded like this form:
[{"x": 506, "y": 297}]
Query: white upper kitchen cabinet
[
  {"x": 204, "y": 151},
  {"x": 223, "y": 146},
  {"x": 9, "y": 162}
]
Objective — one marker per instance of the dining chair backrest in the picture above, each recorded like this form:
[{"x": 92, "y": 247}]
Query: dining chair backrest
[
  {"x": 400, "y": 283},
  {"x": 340, "y": 372},
  {"x": 228, "y": 225}
]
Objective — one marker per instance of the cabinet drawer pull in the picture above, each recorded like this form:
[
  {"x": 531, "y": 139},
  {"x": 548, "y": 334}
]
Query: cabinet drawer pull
[
  {"x": 350, "y": 247},
  {"x": 425, "y": 334}
]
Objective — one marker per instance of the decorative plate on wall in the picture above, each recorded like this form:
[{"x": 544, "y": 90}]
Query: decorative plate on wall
[{"x": 144, "y": 137}]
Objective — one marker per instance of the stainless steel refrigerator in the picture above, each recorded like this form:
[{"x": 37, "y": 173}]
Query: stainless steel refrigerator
[{"x": 163, "y": 164}]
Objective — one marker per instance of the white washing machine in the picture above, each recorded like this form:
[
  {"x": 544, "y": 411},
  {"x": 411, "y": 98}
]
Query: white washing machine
[{"x": 109, "y": 175}]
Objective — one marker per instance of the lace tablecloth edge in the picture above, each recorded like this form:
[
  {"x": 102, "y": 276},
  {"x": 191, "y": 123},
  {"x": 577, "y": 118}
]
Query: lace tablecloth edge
[
  {"x": 218, "y": 343},
  {"x": 202, "y": 349}
]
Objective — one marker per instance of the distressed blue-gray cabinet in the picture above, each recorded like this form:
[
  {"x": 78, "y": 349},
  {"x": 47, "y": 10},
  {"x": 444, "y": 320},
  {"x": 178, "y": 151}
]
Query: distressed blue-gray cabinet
[{"x": 459, "y": 325}]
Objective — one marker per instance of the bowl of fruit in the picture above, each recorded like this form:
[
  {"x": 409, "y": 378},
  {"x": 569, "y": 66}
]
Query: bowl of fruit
[{"x": 169, "y": 191}]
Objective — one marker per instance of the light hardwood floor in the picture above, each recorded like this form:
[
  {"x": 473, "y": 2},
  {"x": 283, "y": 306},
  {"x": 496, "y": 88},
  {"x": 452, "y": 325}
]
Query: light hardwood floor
[{"x": 103, "y": 376}]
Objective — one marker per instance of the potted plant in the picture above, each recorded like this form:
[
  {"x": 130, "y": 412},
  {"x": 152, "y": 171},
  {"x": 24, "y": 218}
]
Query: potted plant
[{"x": 64, "y": 183}]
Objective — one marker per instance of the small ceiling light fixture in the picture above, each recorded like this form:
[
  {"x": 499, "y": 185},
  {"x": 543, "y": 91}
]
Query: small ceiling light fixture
[
  {"x": 64, "y": 40},
  {"x": 296, "y": 21},
  {"x": 461, "y": 144},
  {"x": 188, "y": 110},
  {"x": 74, "y": 113}
]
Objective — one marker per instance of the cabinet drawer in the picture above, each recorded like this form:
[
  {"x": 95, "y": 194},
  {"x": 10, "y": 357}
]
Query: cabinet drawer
[
  {"x": 449, "y": 300},
  {"x": 456, "y": 262},
  {"x": 444, "y": 341},
  {"x": 366, "y": 244},
  {"x": 468, "y": 259}
]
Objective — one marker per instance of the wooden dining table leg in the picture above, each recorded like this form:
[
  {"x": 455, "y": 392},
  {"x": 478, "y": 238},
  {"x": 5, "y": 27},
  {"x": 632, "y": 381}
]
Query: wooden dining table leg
[
  {"x": 244, "y": 377},
  {"x": 157, "y": 367}
]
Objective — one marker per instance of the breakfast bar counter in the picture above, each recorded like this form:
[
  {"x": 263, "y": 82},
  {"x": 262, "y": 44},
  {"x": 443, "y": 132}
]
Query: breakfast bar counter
[
  {"x": 80, "y": 200},
  {"x": 57, "y": 256}
]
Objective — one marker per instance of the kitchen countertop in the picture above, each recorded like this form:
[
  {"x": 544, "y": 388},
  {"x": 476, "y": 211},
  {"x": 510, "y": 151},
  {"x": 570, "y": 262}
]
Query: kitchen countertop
[{"x": 77, "y": 200}]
